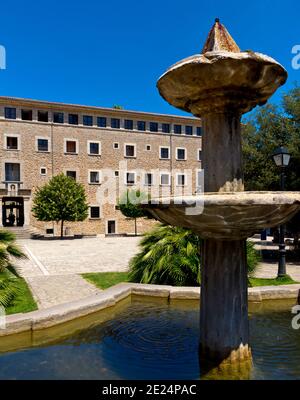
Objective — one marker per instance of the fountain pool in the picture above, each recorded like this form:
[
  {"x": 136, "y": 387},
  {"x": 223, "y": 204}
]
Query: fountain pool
[{"x": 149, "y": 340}]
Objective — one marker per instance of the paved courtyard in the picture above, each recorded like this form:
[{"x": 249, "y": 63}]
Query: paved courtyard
[{"x": 53, "y": 268}]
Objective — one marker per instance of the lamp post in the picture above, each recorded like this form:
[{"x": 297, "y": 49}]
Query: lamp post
[{"x": 281, "y": 158}]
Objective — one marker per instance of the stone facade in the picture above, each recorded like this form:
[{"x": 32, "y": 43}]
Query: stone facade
[{"x": 42, "y": 149}]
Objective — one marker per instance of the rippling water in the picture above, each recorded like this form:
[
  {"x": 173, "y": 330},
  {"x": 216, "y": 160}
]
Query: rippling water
[{"x": 154, "y": 341}]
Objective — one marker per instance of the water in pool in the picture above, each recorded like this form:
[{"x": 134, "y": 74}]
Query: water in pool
[{"x": 151, "y": 340}]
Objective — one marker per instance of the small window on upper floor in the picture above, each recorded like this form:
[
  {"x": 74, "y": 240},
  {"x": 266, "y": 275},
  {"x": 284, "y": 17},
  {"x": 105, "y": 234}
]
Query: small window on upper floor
[
  {"x": 177, "y": 129},
  {"x": 128, "y": 124},
  {"x": 73, "y": 119},
  {"x": 153, "y": 127},
  {"x": 94, "y": 148},
  {"x": 115, "y": 123},
  {"x": 43, "y": 171},
  {"x": 95, "y": 177},
  {"x": 130, "y": 178},
  {"x": 129, "y": 150},
  {"x": 188, "y": 130},
  {"x": 12, "y": 143},
  {"x": 199, "y": 131},
  {"x": 87, "y": 120},
  {"x": 43, "y": 116},
  {"x": 165, "y": 128},
  {"x": 42, "y": 145},
  {"x": 10, "y": 113},
  {"x": 116, "y": 145},
  {"x": 58, "y": 117},
  {"x": 180, "y": 154},
  {"x": 164, "y": 153},
  {"x": 141, "y": 125},
  {"x": 71, "y": 146},
  {"x": 148, "y": 147},
  {"x": 199, "y": 155},
  {"x": 71, "y": 174},
  {"x": 26, "y": 115},
  {"x": 101, "y": 122}
]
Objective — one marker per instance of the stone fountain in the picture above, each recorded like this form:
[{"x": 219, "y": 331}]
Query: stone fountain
[{"x": 219, "y": 85}]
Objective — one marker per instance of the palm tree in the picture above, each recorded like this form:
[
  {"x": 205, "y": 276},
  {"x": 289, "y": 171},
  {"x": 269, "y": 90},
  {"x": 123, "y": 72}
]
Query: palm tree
[
  {"x": 171, "y": 255},
  {"x": 8, "y": 251}
]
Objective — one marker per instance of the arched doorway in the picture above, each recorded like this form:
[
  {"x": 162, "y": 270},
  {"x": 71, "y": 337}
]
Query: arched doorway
[{"x": 12, "y": 211}]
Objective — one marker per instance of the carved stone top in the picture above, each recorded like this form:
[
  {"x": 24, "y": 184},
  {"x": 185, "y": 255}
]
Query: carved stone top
[
  {"x": 223, "y": 79},
  {"x": 219, "y": 39}
]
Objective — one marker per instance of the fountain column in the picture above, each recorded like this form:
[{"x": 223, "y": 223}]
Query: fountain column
[{"x": 224, "y": 331}]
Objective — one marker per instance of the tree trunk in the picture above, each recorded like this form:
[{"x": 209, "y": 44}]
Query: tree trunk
[
  {"x": 62, "y": 229},
  {"x": 135, "y": 227},
  {"x": 224, "y": 332}
]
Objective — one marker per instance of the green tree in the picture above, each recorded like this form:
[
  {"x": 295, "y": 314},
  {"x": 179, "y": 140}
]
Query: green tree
[
  {"x": 171, "y": 255},
  {"x": 267, "y": 128},
  {"x": 61, "y": 199},
  {"x": 129, "y": 203}
]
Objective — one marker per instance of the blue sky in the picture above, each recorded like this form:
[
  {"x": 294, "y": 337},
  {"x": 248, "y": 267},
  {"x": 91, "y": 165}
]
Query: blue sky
[{"x": 112, "y": 52}]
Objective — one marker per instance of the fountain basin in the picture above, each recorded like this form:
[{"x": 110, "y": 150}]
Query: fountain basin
[
  {"x": 220, "y": 80},
  {"x": 227, "y": 215}
]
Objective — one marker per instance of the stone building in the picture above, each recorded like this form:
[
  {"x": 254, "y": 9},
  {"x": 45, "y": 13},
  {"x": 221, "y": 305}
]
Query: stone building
[{"x": 106, "y": 149}]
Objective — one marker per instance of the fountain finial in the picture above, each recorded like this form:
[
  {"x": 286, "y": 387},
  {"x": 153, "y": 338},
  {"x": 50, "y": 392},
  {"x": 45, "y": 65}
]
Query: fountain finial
[{"x": 219, "y": 39}]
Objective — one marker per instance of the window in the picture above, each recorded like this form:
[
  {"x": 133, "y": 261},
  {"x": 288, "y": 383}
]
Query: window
[
  {"x": 71, "y": 174},
  {"x": 42, "y": 145},
  {"x": 180, "y": 179},
  {"x": 111, "y": 227},
  {"x": 165, "y": 128},
  {"x": 43, "y": 171},
  {"x": 199, "y": 155},
  {"x": 148, "y": 179},
  {"x": 164, "y": 153},
  {"x": 130, "y": 178},
  {"x": 12, "y": 172},
  {"x": 180, "y": 153},
  {"x": 115, "y": 123},
  {"x": 128, "y": 124},
  {"x": 188, "y": 130},
  {"x": 73, "y": 119},
  {"x": 148, "y": 147},
  {"x": 153, "y": 127},
  {"x": 116, "y": 145},
  {"x": 26, "y": 115},
  {"x": 101, "y": 122},
  {"x": 116, "y": 173},
  {"x": 94, "y": 148},
  {"x": 11, "y": 143},
  {"x": 199, "y": 131},
  {"x": 129, "y": 150},
  {"x": 87, "y": 120},
  {"x": 177, "y": 129},
  {"x": 10, "y": 113},
  {"x": 141, "y": 125},
  {"x": 165, "y": 179},
  {"x": 43, "y": 116},
  {"x": 71, "y": 146},
  {"x": 94, "y": 212},
  {"x": 58, "y": 117},
  {"x": 94, "y": 177}
]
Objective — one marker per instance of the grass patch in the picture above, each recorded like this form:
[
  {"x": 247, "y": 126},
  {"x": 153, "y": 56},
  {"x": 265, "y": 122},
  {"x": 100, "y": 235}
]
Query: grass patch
[
  {"x": 23, "y": 301},
  {"x": 104, "y": 280},
  {"x": 285, "y": 280}
]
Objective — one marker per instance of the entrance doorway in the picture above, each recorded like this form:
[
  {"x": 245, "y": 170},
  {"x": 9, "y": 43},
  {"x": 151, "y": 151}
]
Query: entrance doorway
[
  {"x": 12, "y": 211},
  {"x": 111, "y": 227}
]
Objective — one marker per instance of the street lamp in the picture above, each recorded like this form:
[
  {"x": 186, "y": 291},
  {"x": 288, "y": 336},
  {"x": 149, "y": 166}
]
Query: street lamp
[{"x": 281, "y": 158}]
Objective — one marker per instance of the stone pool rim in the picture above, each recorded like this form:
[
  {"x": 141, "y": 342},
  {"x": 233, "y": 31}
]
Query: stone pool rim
[{"x": 59, "y": 314}]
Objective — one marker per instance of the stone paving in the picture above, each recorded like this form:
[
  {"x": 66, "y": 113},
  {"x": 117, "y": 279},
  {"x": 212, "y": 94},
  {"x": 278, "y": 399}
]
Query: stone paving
[{"x": 53, "y": 268}]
